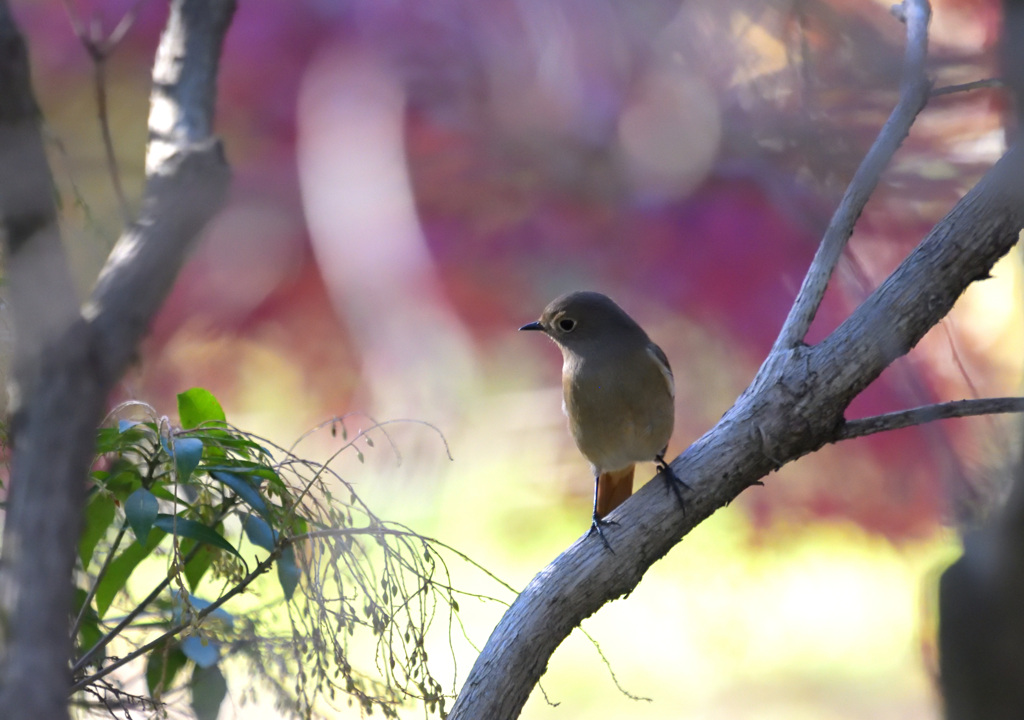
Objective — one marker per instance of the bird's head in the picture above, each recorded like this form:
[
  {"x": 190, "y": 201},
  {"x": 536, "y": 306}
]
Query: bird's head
[{"x": 578, "y": 318}]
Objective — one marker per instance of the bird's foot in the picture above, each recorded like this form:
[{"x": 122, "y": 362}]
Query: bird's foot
[
  {"x": 672, "y": 481},
  {"x": 597, "y": 525}
]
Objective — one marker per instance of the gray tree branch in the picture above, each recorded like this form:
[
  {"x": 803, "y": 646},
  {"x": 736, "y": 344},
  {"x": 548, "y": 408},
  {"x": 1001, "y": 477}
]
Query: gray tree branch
[
  {"x": 40, "y": 288},
  {"x": 968, "y": 86},
  {"x": 187, "y": 179},
  {"x": 914, "y": 90},
  {"x": 862, "y": 427},
  {"x": 793, "y": 407}
]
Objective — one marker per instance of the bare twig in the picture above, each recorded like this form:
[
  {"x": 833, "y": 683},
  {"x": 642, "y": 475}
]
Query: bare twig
[
  {"x": 124, "y": 25},
  {"x": 968, "y": 86},
  {"x": 929, "y": 413},
  {"x": 100, "y": 85},
  {"x": 76, "y": 22},
  {"x": 402, "y": 532},
  {"x": 100, "y": 49},
  {"x": 99, "y": 578},
  {"x": 914, "y": 88}
]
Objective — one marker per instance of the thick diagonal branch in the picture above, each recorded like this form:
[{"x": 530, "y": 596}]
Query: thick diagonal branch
[{"x": 794, "y": 406}]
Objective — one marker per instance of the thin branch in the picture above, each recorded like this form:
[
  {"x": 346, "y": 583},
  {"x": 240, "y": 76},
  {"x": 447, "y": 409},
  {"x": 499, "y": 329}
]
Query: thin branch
[
  {"x": 100, "y": 49},
  {"x": 433, "y": 542},
  {"x": 99, "y": 578},
  {"x": 929, "y": 413},
  {"x": 99, "y": 65},
  {"x": 351, "y": 443},
  {"x": 237, "y": 589},
  {"x": 92, "y": 40},
  {"x": 124, "y": 24},
  {"x": 914, "y": 88},
  {"x": 134, "y": 613},
  {"x": 76, "y": 23},
  {"x": 968, "y": 86}
]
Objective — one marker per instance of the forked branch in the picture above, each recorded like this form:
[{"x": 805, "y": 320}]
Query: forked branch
[{"x": 794, "y": 405}]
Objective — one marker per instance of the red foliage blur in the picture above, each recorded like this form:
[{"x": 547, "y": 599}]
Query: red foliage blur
[{"x": 688, "y": 154}]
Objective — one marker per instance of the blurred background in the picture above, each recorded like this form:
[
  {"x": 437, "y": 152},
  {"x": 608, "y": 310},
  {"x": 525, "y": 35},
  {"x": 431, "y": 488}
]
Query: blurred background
[{"x": 415, "y": 180}]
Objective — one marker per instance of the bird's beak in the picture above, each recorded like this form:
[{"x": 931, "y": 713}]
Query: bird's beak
[{"x": 532, "y": 326}]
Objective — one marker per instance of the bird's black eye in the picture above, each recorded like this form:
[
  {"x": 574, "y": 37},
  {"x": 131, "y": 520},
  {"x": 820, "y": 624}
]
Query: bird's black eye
[{"x": 567, "y": 324}]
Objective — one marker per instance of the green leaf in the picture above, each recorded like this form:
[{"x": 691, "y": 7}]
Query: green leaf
[
  {"x": 244, "y": 489},
  {"x": 162, "y": 493},
  {"x": 276, "y": 481},
  {"x": 124, "y": 479},
  {"x": 141, "y": 509},
  {"x": 244, "y": 467},
  {"x": 288, "y": 572},
  {"x": 218, "y": 438},
  {"x": 126, "y": 436},
  {"x": 196, "y": 568},
  {"x": 79, "y": 598},
  {"x": 208, "y": 691},
  {"x": 106, "y": 440},
  {"x": 188, "y": 451},
  {"x": 99, "y": 514},
  {"x": 184, "y": 527},
  {"x": 120, "y": 570},
  {"x": 253, "y": 471},
  {"x": 300, "y": 526},
  {"x": 259, "y": 532},
  {"x": 89, "y": 632},
  {"x": 197, "y": 406},
  {"x": 165, "y": 660}
]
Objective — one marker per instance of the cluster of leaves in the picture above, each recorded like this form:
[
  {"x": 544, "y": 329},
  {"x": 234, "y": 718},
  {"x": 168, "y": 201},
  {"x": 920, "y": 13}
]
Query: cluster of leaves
[{"x": 172, "y": 513}]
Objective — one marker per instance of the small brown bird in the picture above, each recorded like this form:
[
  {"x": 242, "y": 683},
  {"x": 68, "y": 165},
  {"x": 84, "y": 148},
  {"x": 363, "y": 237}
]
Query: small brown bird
[{"x": 618, "y": 394}]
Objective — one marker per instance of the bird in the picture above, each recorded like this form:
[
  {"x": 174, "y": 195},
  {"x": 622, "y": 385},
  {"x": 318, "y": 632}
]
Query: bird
[{"x": 618, "y": 394}]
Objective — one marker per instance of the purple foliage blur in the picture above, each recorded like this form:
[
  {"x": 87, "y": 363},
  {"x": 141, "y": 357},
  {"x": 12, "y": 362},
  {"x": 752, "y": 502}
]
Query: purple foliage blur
[{"x": 404, "y": 166}]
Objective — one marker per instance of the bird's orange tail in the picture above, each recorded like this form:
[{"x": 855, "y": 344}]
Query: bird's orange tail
[{"x": 612, "y": 490}]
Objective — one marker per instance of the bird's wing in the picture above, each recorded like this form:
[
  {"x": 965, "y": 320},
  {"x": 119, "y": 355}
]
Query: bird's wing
[{"x": 659, "y": 357}]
